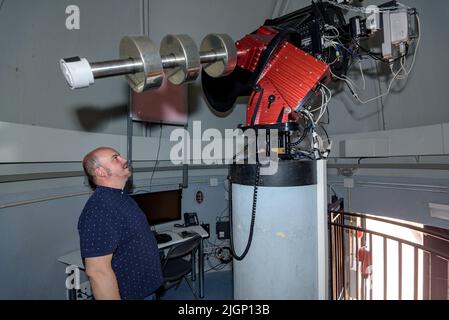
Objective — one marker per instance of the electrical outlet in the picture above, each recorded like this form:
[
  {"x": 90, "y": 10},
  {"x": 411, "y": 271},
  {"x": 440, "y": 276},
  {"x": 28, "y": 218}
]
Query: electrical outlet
[
  {"x": 85, "y": 291},
  {"x": 348, "y": 183}
]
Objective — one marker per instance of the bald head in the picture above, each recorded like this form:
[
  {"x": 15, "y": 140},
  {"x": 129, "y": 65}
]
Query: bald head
[
  {"x": 105, "y": 166},
  {"x": 91, "y": 162}
]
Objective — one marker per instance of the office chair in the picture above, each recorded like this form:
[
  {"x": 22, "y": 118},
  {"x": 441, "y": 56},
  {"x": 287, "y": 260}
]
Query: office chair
[{"x": 177, "y": 263}]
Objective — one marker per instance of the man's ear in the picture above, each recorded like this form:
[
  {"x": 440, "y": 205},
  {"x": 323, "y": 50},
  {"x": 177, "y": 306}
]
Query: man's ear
[{"x": 100, "y": 172}]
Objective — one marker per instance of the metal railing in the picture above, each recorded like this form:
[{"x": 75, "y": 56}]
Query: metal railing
[{"x": 373, "y": 258}]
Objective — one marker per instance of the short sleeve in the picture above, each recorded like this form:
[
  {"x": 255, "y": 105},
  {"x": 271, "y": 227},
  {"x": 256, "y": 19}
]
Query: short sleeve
[{"x": 99, "y": 232}]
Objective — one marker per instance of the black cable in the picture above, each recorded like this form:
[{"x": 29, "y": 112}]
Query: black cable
[
  {"x": 301, "y": 139},
  {"x": 217, "y": 267},
  {"x": 253, "y": 217},
  {"x": 328, "y": 139},
  {"x": 377, "y": 56}
]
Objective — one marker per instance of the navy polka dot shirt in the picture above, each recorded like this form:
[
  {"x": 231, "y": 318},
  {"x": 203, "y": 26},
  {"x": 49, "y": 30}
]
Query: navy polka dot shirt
[{"x": 111, "y": 222}]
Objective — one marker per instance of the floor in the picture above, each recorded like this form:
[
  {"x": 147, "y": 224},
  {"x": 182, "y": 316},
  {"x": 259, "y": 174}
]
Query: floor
[{"x": 217, "y": 286}]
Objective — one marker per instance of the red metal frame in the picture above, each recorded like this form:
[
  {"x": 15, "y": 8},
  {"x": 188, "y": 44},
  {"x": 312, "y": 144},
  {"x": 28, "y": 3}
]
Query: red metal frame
[{"x": 288, "y": 80}]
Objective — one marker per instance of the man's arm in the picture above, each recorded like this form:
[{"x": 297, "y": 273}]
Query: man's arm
[{"x": 102, "y": 278}]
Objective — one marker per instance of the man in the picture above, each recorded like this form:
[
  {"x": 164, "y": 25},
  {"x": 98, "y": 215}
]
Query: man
[{"x": 118, "y": 248}]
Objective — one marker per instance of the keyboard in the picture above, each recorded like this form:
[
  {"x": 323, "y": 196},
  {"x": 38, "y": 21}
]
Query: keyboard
[{"x": 162, "y": 237}]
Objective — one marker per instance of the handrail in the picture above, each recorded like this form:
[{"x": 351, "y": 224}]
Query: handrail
[
  {"x": 416, "y": 245},
  {"x": 353, "y": 275},
  {"x": 401, "y": 224}
]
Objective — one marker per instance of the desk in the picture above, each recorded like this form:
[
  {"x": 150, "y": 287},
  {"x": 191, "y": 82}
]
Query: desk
[{"x": 74, "y": 258}]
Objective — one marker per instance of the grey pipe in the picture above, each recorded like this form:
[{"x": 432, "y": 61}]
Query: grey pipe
[{"x": 116, "y": 67}]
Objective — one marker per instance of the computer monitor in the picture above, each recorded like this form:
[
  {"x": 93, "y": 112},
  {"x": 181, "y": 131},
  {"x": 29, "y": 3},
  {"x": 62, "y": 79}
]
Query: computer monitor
[{"x": 160, "y": 207}]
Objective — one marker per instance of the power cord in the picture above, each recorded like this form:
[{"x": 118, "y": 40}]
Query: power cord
[
  {"x": 253, "y": 218},
  {"x": 217, "y": 267}
]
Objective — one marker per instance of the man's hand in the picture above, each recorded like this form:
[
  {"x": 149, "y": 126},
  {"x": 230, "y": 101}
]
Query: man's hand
[{"x": 102, "y": 278}]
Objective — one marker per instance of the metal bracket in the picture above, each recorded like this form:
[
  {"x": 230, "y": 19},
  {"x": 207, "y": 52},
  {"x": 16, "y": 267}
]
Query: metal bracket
[{"x": 346, "y": 172}]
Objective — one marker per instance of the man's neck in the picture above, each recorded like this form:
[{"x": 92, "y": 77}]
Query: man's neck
[{"x": 110, "y": 184}]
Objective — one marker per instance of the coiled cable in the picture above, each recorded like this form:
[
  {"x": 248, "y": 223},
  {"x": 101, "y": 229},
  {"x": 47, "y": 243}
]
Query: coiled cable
[{"x": 253, "y": 218}]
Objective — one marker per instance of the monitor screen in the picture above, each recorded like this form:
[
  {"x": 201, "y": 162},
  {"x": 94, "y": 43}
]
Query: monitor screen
[{"x": 160, "y": 207}]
